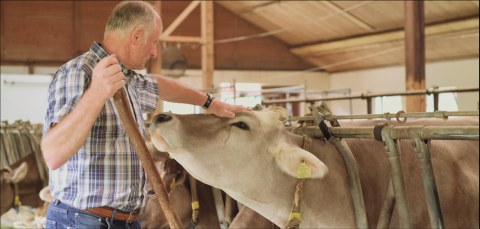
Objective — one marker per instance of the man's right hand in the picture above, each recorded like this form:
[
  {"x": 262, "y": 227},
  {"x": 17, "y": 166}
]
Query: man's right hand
[{"x": 107, "y": 78}]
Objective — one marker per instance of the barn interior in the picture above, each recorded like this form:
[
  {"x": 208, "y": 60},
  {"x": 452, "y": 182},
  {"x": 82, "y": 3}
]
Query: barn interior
[{"x": 360, "y": 57}]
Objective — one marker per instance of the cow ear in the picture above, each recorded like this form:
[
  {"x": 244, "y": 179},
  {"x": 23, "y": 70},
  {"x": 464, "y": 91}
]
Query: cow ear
[
  {"x": 46, "y": 195},
  {"x": 19, "y": 173},
  {"x": 290, "y": 159}
]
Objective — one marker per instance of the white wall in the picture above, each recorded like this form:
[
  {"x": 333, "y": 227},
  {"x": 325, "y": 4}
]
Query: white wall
[
  {"x": 314, "y": 80},
  {"x": 28, "y": 101},
  {"x": 24, "y": 97},
  {"x": 458, "y": 73}
]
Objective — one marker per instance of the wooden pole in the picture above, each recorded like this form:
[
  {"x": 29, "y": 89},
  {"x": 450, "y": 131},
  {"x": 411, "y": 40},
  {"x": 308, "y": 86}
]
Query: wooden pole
[
  {"x": 156, "y": 63},
  {"x": 125, "y": 113},
  {"x": 208, "y": 63},
  {"x": 415, "y": 54},
  {"x": 76, "y": 28}
]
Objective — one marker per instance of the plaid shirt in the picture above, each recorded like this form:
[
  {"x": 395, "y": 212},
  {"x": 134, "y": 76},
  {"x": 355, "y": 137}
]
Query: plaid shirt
[{"x": 106, "y": 171}]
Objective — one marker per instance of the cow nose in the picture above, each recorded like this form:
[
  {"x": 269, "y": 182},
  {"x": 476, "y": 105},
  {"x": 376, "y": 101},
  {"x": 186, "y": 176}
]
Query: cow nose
[{"x": 163, "y": 117}]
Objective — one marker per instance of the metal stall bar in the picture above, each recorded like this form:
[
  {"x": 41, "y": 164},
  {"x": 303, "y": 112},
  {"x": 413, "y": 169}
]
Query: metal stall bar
[
  {"x": 422, "y": 149},
  {"x": 351, "y": 167},
  {"x": 436, "y": 114},
  {"x": 217, "y": 197},
  {"x": 399, "y": 132},
  {"x": 388, "y": 206},
  {"x": 364, "y": 96},
  {"x": 393, "y": 152}
]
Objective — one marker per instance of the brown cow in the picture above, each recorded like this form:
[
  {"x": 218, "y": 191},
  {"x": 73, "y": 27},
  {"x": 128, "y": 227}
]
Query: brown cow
[
  {"x": 152, "y": 215},
  {"x": 248, "y": 218},
  {"x": 254, "y": 159},
  {"x": 28, "y": 187}
]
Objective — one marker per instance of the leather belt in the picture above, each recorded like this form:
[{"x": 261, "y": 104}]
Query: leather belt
[{"x": 107, "y": 212}]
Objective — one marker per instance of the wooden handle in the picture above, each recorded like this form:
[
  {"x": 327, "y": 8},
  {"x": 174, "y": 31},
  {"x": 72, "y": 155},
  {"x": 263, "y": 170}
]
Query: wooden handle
[{"x": 122, "y": 105}]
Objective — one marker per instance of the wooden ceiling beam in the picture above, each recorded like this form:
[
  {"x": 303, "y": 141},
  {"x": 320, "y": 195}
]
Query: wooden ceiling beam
[
  {"x": 180, "y": 18},
  {"x": 184, "y": 39},
  {"x": 349, "y": 16},
  {"x": 259, "y": 7},
  {"x": 312, "y": 50}
]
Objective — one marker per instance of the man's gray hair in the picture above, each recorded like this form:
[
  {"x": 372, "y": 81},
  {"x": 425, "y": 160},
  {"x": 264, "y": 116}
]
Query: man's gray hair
[{"x": 129, "y": 15}]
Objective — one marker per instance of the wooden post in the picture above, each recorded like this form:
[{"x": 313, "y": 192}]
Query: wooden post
[
  {"x": 2, "y": 30},
  {"x": 156, "y": 63},
  {"x": 76, "y": 28},
  {"x": 207, "y": 49},
  {"x": 415, "y": 54}
]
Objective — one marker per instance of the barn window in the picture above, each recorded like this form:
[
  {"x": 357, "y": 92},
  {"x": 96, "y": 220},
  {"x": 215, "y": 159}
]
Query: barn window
[
  {"x": 181, "y": 108},
  {"x": 248, "y": 94},
  {"x": 391, "y": 104},
  {"x": 447, "y": 101}
]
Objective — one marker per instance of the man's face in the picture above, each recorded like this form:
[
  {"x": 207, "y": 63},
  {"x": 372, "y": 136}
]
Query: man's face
[{"x": 148, "y": 49}]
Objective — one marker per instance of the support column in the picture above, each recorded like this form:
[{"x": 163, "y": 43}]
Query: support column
[
  {"x": 415, "y": 54},
  {"x": 76, "y": 28},
  {"x": 155, "y": 67},
  {"x": 208, "y": 63}
]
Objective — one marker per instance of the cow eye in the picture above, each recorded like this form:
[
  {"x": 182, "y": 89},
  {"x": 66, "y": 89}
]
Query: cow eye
[
  {"x": 241, "y": 125},
  {"x": 151, "y": 193}
]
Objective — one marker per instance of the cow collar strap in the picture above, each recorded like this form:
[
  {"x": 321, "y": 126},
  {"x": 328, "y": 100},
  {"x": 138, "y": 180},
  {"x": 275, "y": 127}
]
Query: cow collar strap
[
  {"x": 17, "y": 202},
  {"x": 303, "y": 172}
]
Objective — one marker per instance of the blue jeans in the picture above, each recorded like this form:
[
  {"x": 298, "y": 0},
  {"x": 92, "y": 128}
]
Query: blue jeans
[{"x": 60, "y": 215}]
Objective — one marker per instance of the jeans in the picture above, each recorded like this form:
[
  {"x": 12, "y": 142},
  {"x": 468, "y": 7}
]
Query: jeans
[{"x": 60, "y": 215}]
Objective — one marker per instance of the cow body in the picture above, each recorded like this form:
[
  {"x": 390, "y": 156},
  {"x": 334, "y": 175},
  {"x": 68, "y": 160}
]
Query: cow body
[
  {"x": 255, "y": 165},
  {"x": 152, "y": 215},
  {"x": 28, "y": 187}
]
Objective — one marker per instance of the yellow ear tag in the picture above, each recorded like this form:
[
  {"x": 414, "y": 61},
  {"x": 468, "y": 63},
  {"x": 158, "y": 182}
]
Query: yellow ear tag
[
  {"x": 294, "y": 215},
  {"x": 195, "y": 205},
  {"x": 17, "y": 201},
  {"x": 173, "y": 185},
  {"x": 304, "y": 171}
]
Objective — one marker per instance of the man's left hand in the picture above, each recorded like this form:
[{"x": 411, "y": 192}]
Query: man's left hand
[{"x": 222, "y": 109}]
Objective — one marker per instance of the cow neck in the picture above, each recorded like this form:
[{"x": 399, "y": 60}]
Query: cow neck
[{"x": 294, "y": 219}]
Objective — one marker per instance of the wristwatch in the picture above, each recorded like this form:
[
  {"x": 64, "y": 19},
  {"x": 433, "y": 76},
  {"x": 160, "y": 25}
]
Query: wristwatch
[{"x": 209, "y": 101}]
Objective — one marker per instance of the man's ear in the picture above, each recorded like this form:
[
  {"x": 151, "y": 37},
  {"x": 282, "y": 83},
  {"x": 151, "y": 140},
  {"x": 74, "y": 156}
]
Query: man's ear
[
  {"x": 290, "y": 159},
  {"x": 135, "y": 36}
]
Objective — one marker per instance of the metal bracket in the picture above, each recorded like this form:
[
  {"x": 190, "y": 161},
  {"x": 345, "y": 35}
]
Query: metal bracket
[
  {"x": 321, "y": 124},
  {"x": 325, "y": 110},
  {"x": 440, "y": 114}
]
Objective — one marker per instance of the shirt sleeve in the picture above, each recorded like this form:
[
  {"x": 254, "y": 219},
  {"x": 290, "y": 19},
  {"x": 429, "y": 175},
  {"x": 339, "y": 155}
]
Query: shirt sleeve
[
  {"x": 64, "y": 93},
  {"x": 148, "y": 90}
]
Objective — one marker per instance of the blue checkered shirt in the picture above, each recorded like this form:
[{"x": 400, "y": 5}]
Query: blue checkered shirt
[{"x": 106, "y": 171}]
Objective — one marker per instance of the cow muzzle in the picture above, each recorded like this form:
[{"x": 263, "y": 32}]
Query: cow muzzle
[{"x": 162, "y": 130}]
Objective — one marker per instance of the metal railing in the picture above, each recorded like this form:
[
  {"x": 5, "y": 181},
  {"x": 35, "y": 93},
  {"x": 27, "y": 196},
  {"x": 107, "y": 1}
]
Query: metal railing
[
  {"x": 370, "y": 96},
  {"x": 421, "y": 137}
]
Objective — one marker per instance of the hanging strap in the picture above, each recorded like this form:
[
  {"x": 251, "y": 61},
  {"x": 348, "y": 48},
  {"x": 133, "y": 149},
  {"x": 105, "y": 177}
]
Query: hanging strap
[{"x": 303, "y": 172}]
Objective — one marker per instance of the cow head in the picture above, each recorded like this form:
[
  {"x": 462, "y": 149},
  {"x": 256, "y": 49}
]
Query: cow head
[
  {"x": 227, "y": 152},
  {"x": 7, "y": 179},
  {"x": 168, "y": 168}
]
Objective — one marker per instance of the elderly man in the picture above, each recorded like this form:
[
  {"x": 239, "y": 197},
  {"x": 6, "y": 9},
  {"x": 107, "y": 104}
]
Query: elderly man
[{"x": 96, "y": 177}]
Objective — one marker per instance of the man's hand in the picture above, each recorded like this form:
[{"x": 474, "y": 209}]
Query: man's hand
[
  {"x": 222, "y": 109},
  {"x": 107, "y": 78}
]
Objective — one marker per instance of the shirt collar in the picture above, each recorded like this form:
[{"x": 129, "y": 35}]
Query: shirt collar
[{"x": 100, "y": 53}]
